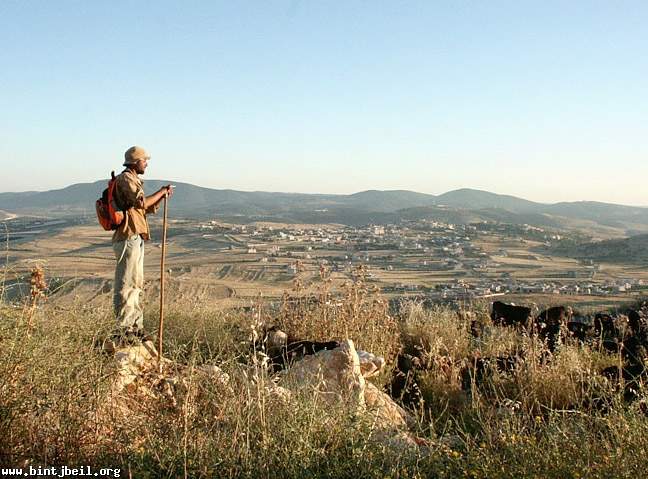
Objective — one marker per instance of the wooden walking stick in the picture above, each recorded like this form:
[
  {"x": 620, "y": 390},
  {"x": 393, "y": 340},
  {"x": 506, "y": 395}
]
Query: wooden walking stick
[{"x": 161, "y": 324}]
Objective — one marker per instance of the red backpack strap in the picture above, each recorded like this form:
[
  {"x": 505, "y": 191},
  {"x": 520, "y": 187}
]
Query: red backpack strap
[
  {"x": 117, "y": 214},
  {"x": 111, "y": 187}
]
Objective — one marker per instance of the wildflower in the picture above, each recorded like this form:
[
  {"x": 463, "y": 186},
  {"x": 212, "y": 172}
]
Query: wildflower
[{"x": 38, "y": 284}]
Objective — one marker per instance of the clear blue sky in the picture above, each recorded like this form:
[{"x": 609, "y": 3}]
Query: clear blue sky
[{"x": 544, "y": 100}]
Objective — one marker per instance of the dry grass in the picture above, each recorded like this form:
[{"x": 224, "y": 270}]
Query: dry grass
[
  {"x": 535, "y": 421},
  {"x": 358, "y": 313}
]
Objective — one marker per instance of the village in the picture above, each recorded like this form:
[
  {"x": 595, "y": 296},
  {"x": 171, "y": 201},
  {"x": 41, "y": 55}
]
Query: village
[
  {"x": 432, "y": 260},
  {"x": 230, "y": 264}
]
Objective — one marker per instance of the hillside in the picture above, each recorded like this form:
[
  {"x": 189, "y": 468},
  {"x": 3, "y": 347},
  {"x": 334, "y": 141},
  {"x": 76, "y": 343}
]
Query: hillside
[
  {"x": 469, "y": 198},
  {"x": 372, "y": 206},
  {"x": 605, "y": 214},
  {"x": 633, "y": 250},
  {"x": 376, "y": 200},
  {"x": 219, "y": 405}
]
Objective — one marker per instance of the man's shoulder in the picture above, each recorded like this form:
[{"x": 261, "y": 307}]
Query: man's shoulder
[{"x": 128, "y": 176}]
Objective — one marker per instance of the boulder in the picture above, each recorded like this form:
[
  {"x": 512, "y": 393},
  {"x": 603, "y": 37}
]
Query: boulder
[
  {"x": 335, "y": 374},
  {"x": 137, "y": 362},
  {"x": 386, "y": 414},
  {"x": 339, "y": 375},
  {"x": 278, "y": 393},
  {"x": 133, "y": 362}
]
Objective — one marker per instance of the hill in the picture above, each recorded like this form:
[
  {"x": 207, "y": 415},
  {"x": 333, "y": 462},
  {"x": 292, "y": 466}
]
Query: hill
[
  {"x": 223, "y": 408},
  {"x": 469, "y": 198},
  {"x": 633, "y": 250},
  {"x": 372, "y": 206},
  {"x": 606, "y": 214},
  {"x": 376, "y": 200}
]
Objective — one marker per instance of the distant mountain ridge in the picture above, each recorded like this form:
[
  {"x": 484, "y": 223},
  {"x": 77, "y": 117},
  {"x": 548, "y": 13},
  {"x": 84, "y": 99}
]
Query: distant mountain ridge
[{"x": 371, "y": 206}]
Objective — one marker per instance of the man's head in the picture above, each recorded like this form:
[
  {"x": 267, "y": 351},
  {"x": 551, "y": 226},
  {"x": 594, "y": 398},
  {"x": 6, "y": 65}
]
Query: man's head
[{"x": 136, "y": 158}]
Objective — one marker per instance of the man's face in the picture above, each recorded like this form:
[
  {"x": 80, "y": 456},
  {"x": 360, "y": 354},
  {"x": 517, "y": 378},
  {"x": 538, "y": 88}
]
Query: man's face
[{"x": 141, "y": 165}]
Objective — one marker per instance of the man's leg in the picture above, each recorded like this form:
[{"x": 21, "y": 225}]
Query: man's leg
[
  {"x": 128, "y": 283},
  {"x": 139, "y": 282}
]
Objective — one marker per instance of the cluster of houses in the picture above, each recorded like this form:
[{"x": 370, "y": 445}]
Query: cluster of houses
[
  {"x": 425, "y": 246},
  {"x": 463, "y": 290},
  {"x": 445, "y": 235}
]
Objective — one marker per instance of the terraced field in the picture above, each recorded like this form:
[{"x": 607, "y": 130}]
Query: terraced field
[{"x": 232, "y": 269}]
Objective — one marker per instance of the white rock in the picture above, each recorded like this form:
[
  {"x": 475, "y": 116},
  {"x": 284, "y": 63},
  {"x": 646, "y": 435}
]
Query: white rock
[
  {"x": 370, "y": 364},
  {"x": 335, "y": 374},
  {"x": 386, "y": 414},
  {"x": 133, "y": 362}
]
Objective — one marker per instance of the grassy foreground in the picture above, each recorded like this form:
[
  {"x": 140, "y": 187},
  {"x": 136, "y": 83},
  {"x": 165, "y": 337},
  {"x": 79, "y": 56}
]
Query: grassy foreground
[{"x": 56, "y": 405}]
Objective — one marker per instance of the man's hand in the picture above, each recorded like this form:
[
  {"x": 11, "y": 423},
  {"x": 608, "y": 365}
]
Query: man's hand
[
  {"x": 167, "y": 191},
  {"x": 153, "y": 200}
]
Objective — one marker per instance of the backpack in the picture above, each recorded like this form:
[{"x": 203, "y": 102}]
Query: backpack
[{"x": 108, "y": 214}]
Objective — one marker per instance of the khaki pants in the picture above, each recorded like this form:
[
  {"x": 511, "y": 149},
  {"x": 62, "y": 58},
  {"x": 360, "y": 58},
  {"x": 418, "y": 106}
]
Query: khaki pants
[{"x": 129, "y": 282}]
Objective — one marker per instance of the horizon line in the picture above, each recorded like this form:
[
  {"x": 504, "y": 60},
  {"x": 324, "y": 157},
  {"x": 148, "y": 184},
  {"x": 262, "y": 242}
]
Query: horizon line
[{"x": 334, "y": 194}]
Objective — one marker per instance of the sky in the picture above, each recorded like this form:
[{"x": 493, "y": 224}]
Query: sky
[{"x": 545, "y": 100}]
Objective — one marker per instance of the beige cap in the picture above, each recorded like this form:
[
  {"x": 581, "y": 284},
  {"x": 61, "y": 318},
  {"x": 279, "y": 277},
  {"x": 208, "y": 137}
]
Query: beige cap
[{"x": 134, "y": 154}]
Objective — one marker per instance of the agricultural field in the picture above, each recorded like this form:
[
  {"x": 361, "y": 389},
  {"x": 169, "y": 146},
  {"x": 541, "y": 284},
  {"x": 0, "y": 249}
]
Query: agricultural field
[{"x": 224, "y": 265}]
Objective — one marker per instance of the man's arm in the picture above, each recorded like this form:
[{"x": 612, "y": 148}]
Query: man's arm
[{"x": 151, "y": 202}]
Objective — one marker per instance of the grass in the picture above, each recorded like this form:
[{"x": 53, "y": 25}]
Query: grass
[{"x": 57, "y": 408}]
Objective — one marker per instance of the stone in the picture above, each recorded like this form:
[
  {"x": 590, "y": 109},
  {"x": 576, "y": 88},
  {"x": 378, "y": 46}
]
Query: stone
[
  {"x": 386, "y": 414},
  {"x": 453, "y": 441},
  {"x": 370, "y": 364},
  {"x": 133, "y": 362},
  {"x": 276, "y": 341},
  {"x": 137, "y": 355},
  {"x": 335, "y": 374},
  {"x": 169, "y": 386}
]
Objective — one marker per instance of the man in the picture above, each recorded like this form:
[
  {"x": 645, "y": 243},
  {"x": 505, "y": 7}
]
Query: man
[{"x": 128, "y": 242}]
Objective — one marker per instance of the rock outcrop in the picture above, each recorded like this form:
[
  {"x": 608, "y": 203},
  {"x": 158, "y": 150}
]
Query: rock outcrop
[
  {"x": 137, "y": 369},
  {"x": 133, "y": 362},
  {"x": 386, "y": 414},
  {"x": 337, "y": 376}
]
